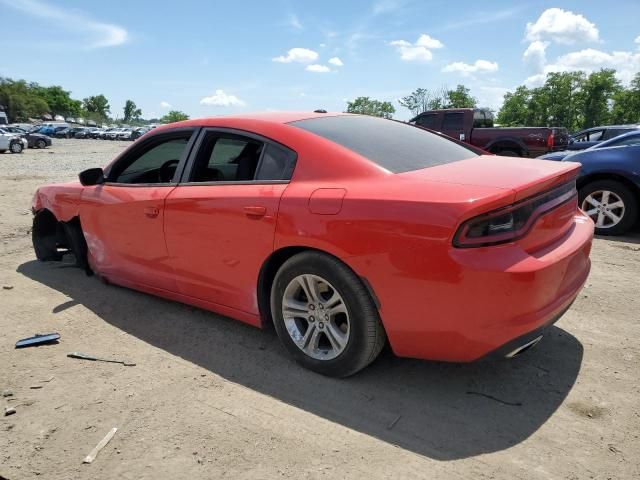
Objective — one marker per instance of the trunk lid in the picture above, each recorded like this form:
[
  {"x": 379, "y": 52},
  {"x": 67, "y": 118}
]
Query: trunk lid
[{"x": 524, "y": 176}]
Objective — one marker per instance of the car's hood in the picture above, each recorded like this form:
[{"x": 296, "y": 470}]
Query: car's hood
[{"x": 524, "y": 176}]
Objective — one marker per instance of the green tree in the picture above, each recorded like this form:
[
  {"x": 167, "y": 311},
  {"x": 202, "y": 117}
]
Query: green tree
[
  {"x": 97, "y": 106},
  {"x": 369, "y": 106},
  {"x": 131, "y": 111},
  {"x": 626, "y": 103},
  {"x": 59, "y": 100},
  {"x": 20, "y": 100},
  {"x": 460, "y": 98},
  {"x": 514, "y": 107},
  {"x": 422, "y": 99},
  {"x": 597, "y": 94},
  {"x": 562, "y": 100},
  {"x": 174, "y": 116}
]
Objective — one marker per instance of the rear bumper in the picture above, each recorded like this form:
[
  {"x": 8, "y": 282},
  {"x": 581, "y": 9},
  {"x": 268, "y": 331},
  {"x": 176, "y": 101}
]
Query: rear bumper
[{"x": 480, "y": 300}]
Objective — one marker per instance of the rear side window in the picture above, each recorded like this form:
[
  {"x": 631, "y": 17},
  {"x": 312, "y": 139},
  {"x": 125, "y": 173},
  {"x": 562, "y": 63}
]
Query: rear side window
[
  {"x": 428, "y": 121},
  {"x": 453, "y": 121},
  {"x": 277, "y": 164},
  {"x": 395, "y": 146}
]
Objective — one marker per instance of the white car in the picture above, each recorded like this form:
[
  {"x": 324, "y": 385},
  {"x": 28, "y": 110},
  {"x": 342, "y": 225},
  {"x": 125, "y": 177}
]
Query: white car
[
  {"x": 11, "y": 141},
  {"x": 124, "y": 134}
]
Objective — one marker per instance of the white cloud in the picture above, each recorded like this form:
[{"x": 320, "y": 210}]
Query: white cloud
[
  {"x": 535, "y": 55},
  {"x": 419, "y": 51},
  {"x": 637, "y": 40},
  {"x": 386, "y": 6},
  {"x": 317, "y": 68},
  {"x": 626, "y": 64},
  {"x": 97, "y": 34},
  {"x": 301, "y": 55},
  {"x": 562, "y": 26},
  {"x": 479, "y": 66},
  {"x": 164, "y": 104},
  {"x": 336, "y": 61},
  {"x": 294, "y": 22},
  {"x": 222, "y": 99}
]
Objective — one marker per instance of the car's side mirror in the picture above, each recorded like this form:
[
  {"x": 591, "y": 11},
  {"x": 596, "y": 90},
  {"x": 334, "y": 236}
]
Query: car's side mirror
[
  {"x": 571, "y": 140},
  {"x": 92, "y": 176}
]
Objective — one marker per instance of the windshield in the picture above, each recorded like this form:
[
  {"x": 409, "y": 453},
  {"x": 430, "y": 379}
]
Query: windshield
[{"x": 395, "y": 146}]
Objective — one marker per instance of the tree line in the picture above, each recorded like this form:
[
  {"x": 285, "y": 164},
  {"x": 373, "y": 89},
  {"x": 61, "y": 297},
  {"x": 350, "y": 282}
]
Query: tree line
[
  {"x": 573, "y": 100},
  {"x": 22, "y": 100}
]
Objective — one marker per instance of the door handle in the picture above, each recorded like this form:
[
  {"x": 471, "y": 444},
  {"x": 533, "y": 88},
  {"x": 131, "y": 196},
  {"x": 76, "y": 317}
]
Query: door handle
[
  {"x": 255, "y": 211},
  {"x": 151, "y": 212}
]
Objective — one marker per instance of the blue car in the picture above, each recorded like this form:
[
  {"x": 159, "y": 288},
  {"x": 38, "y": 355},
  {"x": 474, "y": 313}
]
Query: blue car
[
  {"x": 592, "y": 136},
  {"x": 609, "y": 183},
  {"x": 613, "y": 142}
]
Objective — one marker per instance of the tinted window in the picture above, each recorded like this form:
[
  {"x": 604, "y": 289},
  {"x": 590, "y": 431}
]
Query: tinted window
[
  {"x": 277, "y": 164},
  {"x": 595, "y": 136},
  {"x": 226, "y": 158},
  {"x": 453, "y": 121},
  {"x": 396, "y": 146},
  {"x": 428, "y": 121},
  {"x": 155, "y": 164}
]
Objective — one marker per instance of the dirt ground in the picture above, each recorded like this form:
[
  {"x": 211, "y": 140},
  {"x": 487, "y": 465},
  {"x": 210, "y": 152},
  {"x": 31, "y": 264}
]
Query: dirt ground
[{"x": 214, "y": 398}]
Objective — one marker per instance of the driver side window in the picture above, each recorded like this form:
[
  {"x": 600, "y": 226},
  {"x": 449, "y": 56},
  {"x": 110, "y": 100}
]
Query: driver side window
[{"x": 156, "y": 163}]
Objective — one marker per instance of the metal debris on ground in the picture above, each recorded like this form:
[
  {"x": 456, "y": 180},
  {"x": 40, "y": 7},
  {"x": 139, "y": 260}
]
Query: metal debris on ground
[
  {"x": 491, "y": 397},
  {"x": 93, "y": 453},
  {"x": 84, "y": 356},
  {"x": 9, "y": 411},
  {"x": 7, "y": 393},
  {"x": 38, "y": 339}
]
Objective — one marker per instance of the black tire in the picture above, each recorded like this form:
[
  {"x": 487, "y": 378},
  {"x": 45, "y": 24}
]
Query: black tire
[
  {"x": 630, "y": 201},
  {"x": 44, "y": 236},
  {"x": 16, "y": 147},
  {"x": 77, "y": 244},
  {"x": 509, "y": 153},
  {"x": 41, "y": 144},
  {"x": 366, "y": 338},
  {"x": 2, "y": 151}
]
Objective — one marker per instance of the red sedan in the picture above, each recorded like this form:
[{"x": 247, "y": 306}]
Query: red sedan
[{"x": 343, "y": 231}]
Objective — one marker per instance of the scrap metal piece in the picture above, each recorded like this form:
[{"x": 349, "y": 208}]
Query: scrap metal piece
[{"x": 38, "y": 339}]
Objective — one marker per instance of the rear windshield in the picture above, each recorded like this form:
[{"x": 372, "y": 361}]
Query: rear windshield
[{"x": 395, "y": 146}]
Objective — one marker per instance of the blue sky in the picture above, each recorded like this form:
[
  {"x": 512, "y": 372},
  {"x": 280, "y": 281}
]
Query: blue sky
[{"x": 215, "y": 58}]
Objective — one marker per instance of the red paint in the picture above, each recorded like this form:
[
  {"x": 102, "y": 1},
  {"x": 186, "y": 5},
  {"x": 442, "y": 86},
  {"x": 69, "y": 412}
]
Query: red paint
[{"x": 205, "y": 244}]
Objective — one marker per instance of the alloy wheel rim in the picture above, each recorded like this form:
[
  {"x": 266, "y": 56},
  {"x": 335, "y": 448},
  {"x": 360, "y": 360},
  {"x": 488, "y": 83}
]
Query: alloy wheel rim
[
  {"x": 316, "y": 317},
  {"x": 15, "y": 148},
  {"x": 605, "y": 208}
]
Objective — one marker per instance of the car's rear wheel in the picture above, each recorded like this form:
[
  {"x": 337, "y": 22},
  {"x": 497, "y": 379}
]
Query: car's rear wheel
[
  {"x": 41, "y": 144},
  {"x": 611, "y": 206},
  {"x": 16, "y": 147},
  {"x": 324, "y": 315}
]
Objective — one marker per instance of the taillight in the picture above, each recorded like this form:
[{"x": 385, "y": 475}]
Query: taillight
[
  {"x": 512, "y": 222},
  {"x": 551, "y": 140}
]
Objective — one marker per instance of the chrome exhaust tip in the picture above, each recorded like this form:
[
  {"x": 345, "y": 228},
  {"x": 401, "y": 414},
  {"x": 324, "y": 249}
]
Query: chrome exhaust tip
[{"x": 524, "y": 347}]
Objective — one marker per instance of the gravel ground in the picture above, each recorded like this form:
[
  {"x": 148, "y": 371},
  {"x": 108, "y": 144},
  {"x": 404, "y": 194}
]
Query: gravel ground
[{"x": 213, "y": 398}]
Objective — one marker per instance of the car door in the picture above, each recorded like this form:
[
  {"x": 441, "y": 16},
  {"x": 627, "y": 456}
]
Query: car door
[
  {"x": 220, "y": 220},
  {"x": 122, "y": 219},
  {"x": 453, "y": 126}
]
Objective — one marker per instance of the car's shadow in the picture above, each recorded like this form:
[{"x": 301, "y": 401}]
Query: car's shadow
[{"x": 444, "y": 411}]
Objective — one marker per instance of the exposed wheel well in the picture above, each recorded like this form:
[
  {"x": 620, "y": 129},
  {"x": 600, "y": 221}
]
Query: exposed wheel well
[
  {"x": 45, "y": 224},
  {"x": 268, "y": 273},
  {"x": 506, "y": 146}
]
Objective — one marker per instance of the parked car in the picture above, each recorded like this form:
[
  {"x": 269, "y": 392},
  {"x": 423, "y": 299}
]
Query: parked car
[
  {"x": 124, "y": 134},
  {"x": 34, "y": 140},
  {"x": 593, "y": 136},
  {"x": 96, "y": 132},
  {"x": 475, "y": 126},
  {"x": 12, "y": 142},
  {"x": 113, "y": 134},
  {"x": 50, "y": 130},
  {"x": 105, "y": 132},
  {"x": 68, "y": 132},
  {"x": 85, "y": 132},
  {"x": 345, "y": 231},
  {"x": 609, "y": 183},
  {"x": 4, "y": 120},
  {"x": 138, "y": 132},
  {"x": 624, "y": 139}
]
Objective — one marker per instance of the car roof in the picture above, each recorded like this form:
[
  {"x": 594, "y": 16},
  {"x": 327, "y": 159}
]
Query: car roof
[{"x": 267, "y": 117}]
